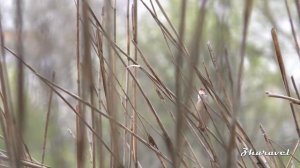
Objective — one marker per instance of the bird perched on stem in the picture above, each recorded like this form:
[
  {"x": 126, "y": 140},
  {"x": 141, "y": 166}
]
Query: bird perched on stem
[{"x": 201, "y": 109}]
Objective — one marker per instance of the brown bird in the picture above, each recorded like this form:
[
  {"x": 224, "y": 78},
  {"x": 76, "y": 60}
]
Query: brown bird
[{"x": 202, "y": 110}]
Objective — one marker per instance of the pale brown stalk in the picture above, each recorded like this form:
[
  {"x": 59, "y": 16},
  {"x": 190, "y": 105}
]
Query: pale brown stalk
[
  {"x": 284, "y": 76},
  {"x": 134, "y": 115},
  {"x": 47, "y": 121},
  {"x": 111, "y": 93},
  {"x": 20, "y": 105}
]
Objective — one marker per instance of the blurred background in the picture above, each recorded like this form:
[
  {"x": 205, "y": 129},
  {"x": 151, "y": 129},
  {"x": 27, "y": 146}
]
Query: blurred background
[{"x": 49, "y": 40}]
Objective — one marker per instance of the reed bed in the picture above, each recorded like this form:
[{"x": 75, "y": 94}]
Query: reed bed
[{"x": 117, "y": 123}]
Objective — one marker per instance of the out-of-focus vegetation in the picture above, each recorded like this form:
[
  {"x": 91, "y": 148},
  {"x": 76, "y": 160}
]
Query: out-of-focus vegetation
[{"x": 119, "y": 81}]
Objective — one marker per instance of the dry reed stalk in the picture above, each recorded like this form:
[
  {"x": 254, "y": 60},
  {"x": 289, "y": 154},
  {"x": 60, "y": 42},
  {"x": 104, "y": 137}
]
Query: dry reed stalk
[
  {"x": 78, "y": 155},
  {"x": 111, "y": 94},
  {"x": 178, "y": 92},
  {"x": 20, "y": 105},
  {"x": 134, "y": 91},
  {"x": 127, "y": 84},
  {"x": 102, "y": 80},
  {"x": 284, "y": 76},
  {"x": 47, "y": 121},
  {"x": 295, "y": 87},
  {"x": 291, "y": 99},
  {"x": 86, "y": 87},
  {"x": 95, "y": 94},
  {"x": 78, "y": 45},
  {"x": 94, "y": 125},
  {"x": 101, "y": 59}
]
